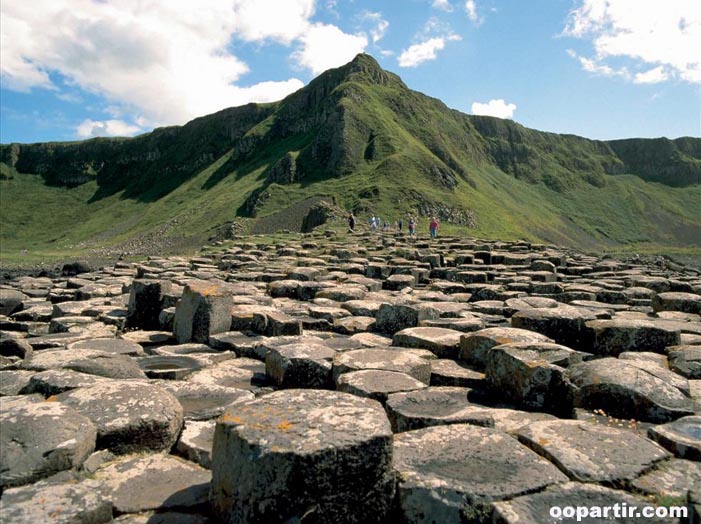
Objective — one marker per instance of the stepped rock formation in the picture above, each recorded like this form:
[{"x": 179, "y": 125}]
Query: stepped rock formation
[{"x": 305, "y": 407}]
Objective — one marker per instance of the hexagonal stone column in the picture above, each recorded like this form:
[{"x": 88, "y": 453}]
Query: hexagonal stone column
[
  {"x": 145, "y": 303},
  {"x": 448, "y": 474},
  {"x": 325, "y": 455},
  {"x": 592, "y": 452},
  {"x": 203, "y": 310}
]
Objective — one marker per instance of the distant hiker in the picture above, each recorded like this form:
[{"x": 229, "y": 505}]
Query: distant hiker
[
  {"x": 433, "y": 227},
  {"x": 351, "y": 222},
  {"x": 401, "y": 224},
  {"x": 373, "y": 223},
  {"x": 412, "y": 226}
]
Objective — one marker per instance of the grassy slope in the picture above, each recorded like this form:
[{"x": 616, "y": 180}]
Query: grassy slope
[{"x": 553, "y": 189}]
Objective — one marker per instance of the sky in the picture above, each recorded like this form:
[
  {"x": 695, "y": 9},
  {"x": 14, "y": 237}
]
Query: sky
[{"x": 603, "y": 69}]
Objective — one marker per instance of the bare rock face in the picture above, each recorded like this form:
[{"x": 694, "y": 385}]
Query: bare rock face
[
  {"x": 676, "y": 301},
  {"x": 300, "y": 365},
  {"x": 145, "y": 303},
  {"x": 682, "y": 437},
  {"x": 203, "y": 310},
  {"x": 320, "y": 453},
  {"x": 626, "y": 391},
  {"x": 448, "y": 474},
  {"x": 58, "y": 503},
  {"x": 612, "y": 337},
  {"x": 154, "y": 481},
  {"x": 589, "y": 499},
  {"x": 40, "y": 439},
  {"x": 532, "y": 375},
  {"x": 382, "y": 359},
  {"x": 444, "y": 343},
  {"x": 129, "y": 416},
  {"x": 435, "y": 406},
  {"x": 474, "y": 346},
  {"x": 591, "y": 452},
  {"x": 377, "y": 384}
]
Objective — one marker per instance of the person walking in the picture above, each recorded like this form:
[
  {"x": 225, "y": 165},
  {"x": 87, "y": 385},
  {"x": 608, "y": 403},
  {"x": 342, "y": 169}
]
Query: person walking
[
  {"x": 433, "y": 227},
  {"x": 351, "y": 222},
  {"x": 373, "y": 223},
  {"x": 412, "y": 226},
  {"x": 401, "y": 224}
]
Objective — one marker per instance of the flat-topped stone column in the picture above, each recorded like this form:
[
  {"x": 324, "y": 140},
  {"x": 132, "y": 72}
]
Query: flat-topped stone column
[{"x": 324, "y": 455}]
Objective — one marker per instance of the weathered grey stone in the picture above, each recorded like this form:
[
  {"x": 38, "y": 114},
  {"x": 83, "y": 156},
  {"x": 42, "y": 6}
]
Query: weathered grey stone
[
  {"x": 511, "y": 420},
  {"x": 591, "y": 504},
  {"x": 145, "y": 303},
  {"x": 11, "y": 301},
  {"x": 382, "y": 359},
  {"x": 196, "y": 440},
  {"x": 685, "y": 360},
  {"x": 671, "y": 479},
  {"x": 110, "y": 345},
  {"x": 532, "y": 375},
  {"x": 446, "y": 372},
  {"x": 55, "y": 381},
  {"x": 625, "y": 391},
  {"x": 444, "y": 343},
  {"x": 163, "y": 517},
  {"x": 564, "y": 324},
  {"x": 168, "y": 367},
  {"x": 39, "y": 439},
  {"x": 434, "y": 406},
  {"x": 682, "y": 437},
  {"x": 474, "y": 346},
  {"x": 203, "y": 401},
  {"x": 16, "y": 347},
  {"x": 353, "y": 325},
  {"x": 130, "y": 416},
  {"x": 612, "y": 337},
  {"x": 13, "y": 381},
  {"x": 324, "y": 452},
  {"x": 90, "y": 361},
  {"x": 377, "y": 384},
  {"x": 675, "y": 301},
  {"x": 395, "y": 317},
  {"x": 11, "y": 402},
  {"x": 447, "y": 474},
  {"x": 155, "y": 481},
  {"x": 228, "y": 374},
  {"x": 300, "y": 365},
  {"x": 203, "y": 310},
  {"x": 63, "y": 503},
  {"x": 591, "y": 452}
]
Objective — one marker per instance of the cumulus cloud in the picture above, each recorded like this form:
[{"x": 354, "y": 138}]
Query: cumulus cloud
[
  {"x": 92, "y": 128},
  {"x": 420, "y": 53},
  {"x": 649, "y": 33},
  {"x": 433, "y": 38},
  {"x": 495, "y": 107},
  {"x": 166, "y": 62},
  {"x": 325, "y": 46},
  {"x": 653, "y": 76}
]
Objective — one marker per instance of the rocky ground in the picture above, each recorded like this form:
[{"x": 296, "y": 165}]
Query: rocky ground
[{"x": 370, "y": 378}]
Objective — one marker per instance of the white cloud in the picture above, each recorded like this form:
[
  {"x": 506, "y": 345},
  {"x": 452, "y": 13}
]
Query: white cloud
[
  {"x": 92, "y": 128},
  {"x": 648, "y": 32},
  {"x": 380, "y": 25},
  {"x": 166, "y": 62},
  {"x": 433, "y": 38},
  {"x": 653, "y": 76},
  {"x": 471, "y": 10},
  {"x": 443, "y": 5},
  {"x": 595, "y": 67},
  {"x": 419, "y": 53},
  {"x": 495, "y": 107},
  {"x": 326, "y": 46}
]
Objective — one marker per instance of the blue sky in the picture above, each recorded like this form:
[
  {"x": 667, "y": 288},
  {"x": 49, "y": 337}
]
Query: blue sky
[{"x": 74, "y": 69}]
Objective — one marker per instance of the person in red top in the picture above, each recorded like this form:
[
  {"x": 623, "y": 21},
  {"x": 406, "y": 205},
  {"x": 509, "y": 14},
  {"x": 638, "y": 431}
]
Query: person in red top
[{"x": 433, "y": 227}]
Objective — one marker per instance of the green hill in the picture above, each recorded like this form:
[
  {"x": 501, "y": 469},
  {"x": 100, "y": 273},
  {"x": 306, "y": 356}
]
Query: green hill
[{"x": 359, "y": 136}]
